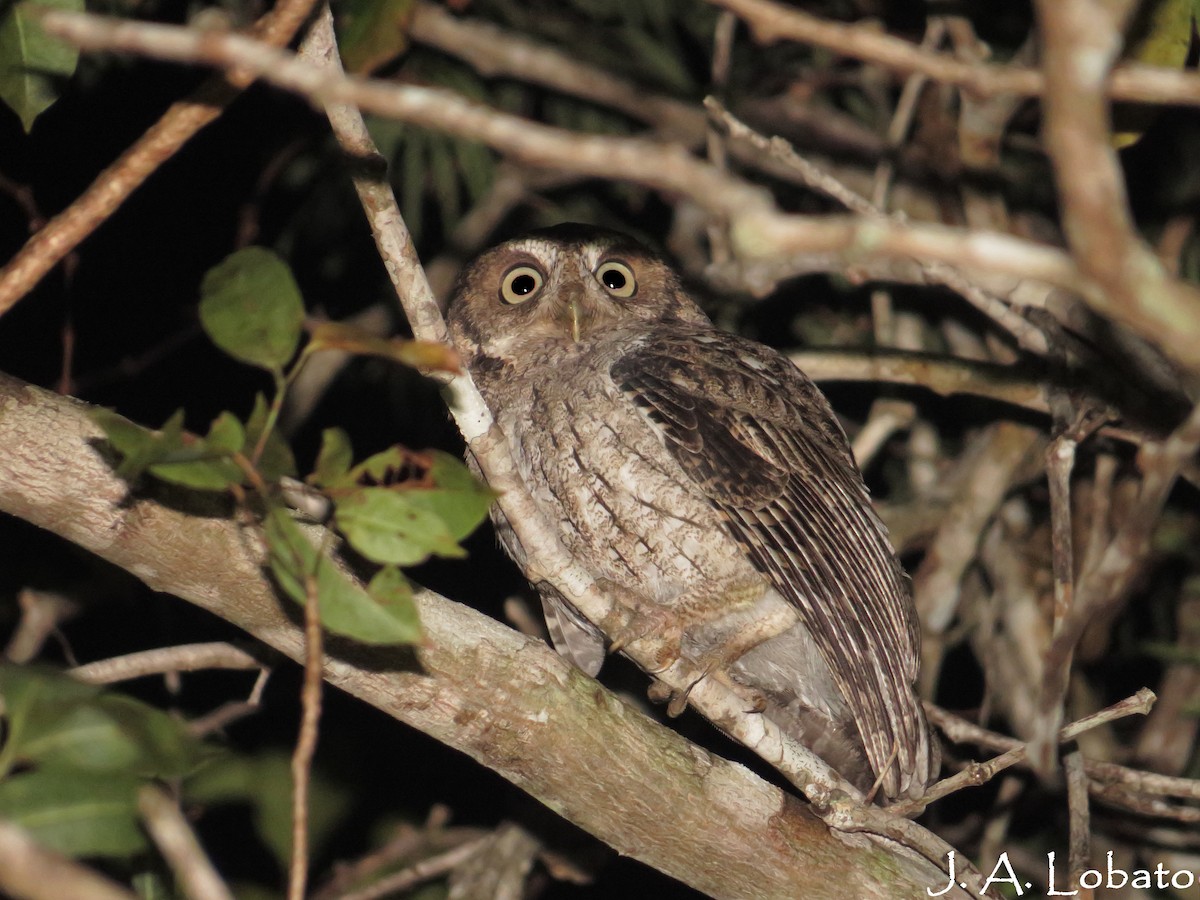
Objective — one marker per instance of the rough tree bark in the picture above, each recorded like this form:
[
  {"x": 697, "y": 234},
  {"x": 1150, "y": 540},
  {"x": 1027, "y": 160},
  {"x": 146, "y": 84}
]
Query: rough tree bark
[{"x": 505, "y": 700}]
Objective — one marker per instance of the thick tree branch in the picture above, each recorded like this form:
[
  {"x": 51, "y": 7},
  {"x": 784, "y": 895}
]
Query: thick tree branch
[{"x": 505, "y": 700}]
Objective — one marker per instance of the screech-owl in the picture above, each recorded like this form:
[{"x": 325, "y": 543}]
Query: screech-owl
[{"x": 703, "y": 480}]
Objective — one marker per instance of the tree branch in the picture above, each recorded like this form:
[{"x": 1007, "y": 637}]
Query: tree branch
[
  {"x": 507, "y": 701},
  {"x": 772, "y": 22},
  {"x": 758, "y": 230}
]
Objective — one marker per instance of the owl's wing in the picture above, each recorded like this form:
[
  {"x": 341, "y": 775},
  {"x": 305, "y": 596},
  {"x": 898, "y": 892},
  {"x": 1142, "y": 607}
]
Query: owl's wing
[
  {"x": 573, "y": 636},
  {"x": 762, "y": 443}
]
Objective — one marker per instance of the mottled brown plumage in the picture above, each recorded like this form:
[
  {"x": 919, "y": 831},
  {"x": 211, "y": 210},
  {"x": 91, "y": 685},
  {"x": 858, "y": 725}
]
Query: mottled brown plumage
[{"x": 704, "y": 481}]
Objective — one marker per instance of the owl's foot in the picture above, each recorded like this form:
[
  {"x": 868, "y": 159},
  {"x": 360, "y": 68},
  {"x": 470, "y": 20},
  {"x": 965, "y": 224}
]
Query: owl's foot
[
  {"x": 677, "y": 699},
  {"x": 658, "y": 633}
]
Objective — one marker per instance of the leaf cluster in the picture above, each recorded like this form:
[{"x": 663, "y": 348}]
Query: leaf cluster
[{"x": 396, "y": 508}]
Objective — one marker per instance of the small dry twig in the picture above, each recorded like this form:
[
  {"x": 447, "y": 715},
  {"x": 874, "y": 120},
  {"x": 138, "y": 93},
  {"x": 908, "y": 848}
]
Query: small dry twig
[
  {"x": 772, "y": 21},
  {"x": 180, "y": 847},
  {"x": 981, "y": 772},
  {"x": 306, "y": 743},
  {"x": 180, "y": 658}
]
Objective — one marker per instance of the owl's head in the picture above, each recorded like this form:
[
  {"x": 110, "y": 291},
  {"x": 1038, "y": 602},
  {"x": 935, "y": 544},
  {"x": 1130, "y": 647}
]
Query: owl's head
[{"x": 564, "y": 285}]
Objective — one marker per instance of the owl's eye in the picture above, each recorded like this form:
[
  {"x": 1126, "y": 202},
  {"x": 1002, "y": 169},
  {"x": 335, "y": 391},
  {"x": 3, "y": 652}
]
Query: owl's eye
[
  {"x": 617, "y": 278},
  {"x": 520, "y": 283}
]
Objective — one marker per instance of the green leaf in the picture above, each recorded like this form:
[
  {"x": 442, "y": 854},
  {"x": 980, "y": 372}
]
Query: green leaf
[
  {"x": 392, "y": 590},
  {"x": 55, "y": 722},
  {"x": 201, "y": 463},
  {"x": 152, "y": 886},
  {"x": 32, "y": 62},
  {"x": 76, "y": 813},
  {"x": 276, "y": 460},
  {"x": 373, "y": 32},
  {"x": 444, "y": 181},
  {"x": 204, "y": 464},
  {"x": 477, "y": 166},
  {"x": 459, "y": 499},
  {"x": 379, "y": 468},
  {"x": 439, "y": 503},
  {"x": 334, "y": 457},
  {"x": 386, "y": 526},
  {"x": 345, "y": 607},
  {"x": 226, "y": 434},
  {"x": 139, "y": 447},
  {"x": 251, "y": 307}
]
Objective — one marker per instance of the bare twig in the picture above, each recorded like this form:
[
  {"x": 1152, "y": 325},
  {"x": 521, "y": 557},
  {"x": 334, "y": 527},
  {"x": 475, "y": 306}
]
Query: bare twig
[
  {"x": 961, "y": 731},
  {"x": 993, "y": 457},
  {"x": 495, "y": 51},
  {"x": 179, "y": 846},
  {"x": 31, "y": 872},
  {"x": 1026, "y": 334},
  {"x": 1121, "y": 797},
  {"x": 902, "y": 118},
  {"x": 1130, "y": 789},
  {"x": 943, "y": 375},
  {"x": 771, "y": 21},
  {"x": 306, "y": 743},
  {"x": 1060, "y": 462},
  {"x": 1079, "y": 816},
  {"x": 498, "y": 870},
  {"x": 181, "y": 658},
  {"x": 978, "y": 773},
  {"x": 1104, "y": 586},
  {"x": 41, "y": 613},
  {"x": 1167, "y": 740},
  {"x": 408, "y": 878},
  {"x": 714, "y": 139},
  {"x": 408, "y": 842},
  {"x": 1079, "y": 42},
  {"x": 758, "y": 231},
  {"x": 64, "y": 232},
  {"x": 230, "y": 712}
]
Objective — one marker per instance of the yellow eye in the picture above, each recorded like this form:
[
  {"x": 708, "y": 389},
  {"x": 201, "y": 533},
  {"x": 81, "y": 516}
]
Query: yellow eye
[
  {"x": 617, "y": 278},
  {"x": 521, "y": 283}
]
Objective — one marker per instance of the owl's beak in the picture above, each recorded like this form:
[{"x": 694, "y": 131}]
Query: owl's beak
[{"x": 576, "y": 315}]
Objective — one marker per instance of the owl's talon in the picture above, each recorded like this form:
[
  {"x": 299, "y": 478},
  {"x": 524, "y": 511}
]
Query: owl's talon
[
  {"x": 664, "y": 639},
  {"x": 679, "y": 701}
]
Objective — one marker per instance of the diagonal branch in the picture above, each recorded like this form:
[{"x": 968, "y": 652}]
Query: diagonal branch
[{"x": 58, "y": 237}]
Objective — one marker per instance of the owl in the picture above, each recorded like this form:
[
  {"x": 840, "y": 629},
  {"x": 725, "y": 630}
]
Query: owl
[{"x": 706, "y": 485}]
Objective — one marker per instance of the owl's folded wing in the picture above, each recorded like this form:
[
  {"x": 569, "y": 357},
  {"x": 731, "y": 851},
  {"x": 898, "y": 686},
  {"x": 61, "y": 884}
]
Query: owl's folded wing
[{"x": 762, "y": 443}]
